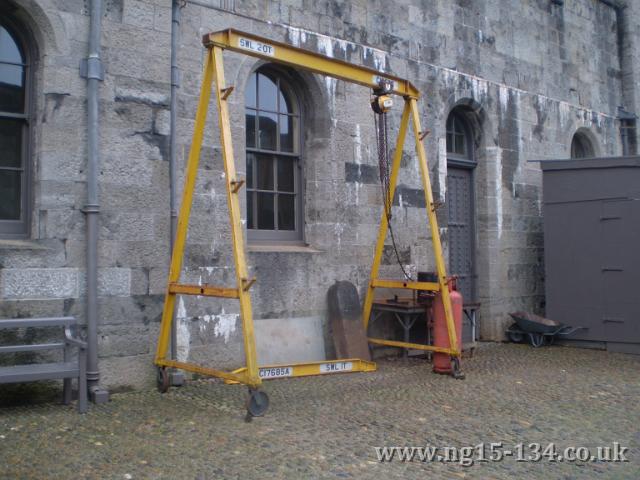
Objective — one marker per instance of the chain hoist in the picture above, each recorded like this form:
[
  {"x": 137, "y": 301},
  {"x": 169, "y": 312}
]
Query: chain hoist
[{"x": 381, "y": 103}]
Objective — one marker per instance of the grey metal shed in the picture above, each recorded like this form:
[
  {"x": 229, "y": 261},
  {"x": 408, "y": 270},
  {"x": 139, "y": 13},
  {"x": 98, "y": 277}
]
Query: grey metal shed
[{"x": 592, "y": 248}]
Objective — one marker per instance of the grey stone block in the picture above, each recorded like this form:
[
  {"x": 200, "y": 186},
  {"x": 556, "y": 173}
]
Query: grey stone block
[
  {"x": 39, "y": 283},
  {"x": 114, "y": 282},
  {"x": 123, "y": 340},
  {"x": 31, "y": 254}
]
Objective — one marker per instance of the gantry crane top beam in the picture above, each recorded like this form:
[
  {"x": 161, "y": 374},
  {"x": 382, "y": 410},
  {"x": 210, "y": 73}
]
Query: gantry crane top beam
[{"x": 256, "y": 46}]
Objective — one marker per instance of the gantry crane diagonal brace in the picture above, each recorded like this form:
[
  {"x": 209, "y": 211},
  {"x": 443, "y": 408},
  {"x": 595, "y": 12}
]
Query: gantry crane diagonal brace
[{"x": 298, "y": 58}]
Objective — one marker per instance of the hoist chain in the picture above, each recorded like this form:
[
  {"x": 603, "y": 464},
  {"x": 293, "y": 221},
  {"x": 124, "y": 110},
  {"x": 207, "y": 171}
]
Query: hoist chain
[{"x": 384, "y": 165}]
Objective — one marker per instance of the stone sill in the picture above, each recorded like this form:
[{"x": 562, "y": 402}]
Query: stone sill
[
  {"x": 8, "y": 244},
  {"x": 281, "y": 248}
]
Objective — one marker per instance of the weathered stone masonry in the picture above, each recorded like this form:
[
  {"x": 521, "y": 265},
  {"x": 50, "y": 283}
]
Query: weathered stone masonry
[{"x": 530, "y": 74}]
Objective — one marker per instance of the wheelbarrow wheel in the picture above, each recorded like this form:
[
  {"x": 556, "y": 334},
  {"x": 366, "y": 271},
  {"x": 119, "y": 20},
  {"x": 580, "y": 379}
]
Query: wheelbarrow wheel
[
  {"x": 515, "y": 337},
  {"x": 162, "y": 380},
  {"x": 536, "y": 339},
  {"x": 257, "y": 403}
]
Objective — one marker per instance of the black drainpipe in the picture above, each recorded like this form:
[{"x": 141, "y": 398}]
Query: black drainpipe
[{"x": 626, "y": 116}]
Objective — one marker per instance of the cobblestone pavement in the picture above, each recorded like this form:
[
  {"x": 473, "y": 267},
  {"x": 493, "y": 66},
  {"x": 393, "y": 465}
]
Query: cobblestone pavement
[{"x": 327, "y": 427}]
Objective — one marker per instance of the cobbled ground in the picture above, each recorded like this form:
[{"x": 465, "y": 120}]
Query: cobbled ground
[{"x": 327, "y": 427}]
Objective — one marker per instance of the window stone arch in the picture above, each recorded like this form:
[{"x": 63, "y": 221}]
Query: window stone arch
[{"x": 583, "y": 145}]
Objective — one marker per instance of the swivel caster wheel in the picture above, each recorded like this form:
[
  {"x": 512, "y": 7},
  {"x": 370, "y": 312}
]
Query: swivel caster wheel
[
  {"x": 257, "y": 403},
  {"x": 456, "y": 371},
  {"x": 162, "y": 379}
]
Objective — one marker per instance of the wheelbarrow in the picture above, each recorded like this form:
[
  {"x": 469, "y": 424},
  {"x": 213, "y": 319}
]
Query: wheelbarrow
[{"x": 538, "y": 330}]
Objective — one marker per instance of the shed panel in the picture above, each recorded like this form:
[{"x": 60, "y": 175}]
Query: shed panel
[{"x": 592, "y": 254}]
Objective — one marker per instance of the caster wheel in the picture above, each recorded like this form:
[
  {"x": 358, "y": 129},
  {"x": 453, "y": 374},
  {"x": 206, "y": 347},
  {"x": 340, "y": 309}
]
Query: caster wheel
[
  {"x": 456, "y": 371},
  {"x": 549, "y": 339},
  {"x": 257, "y": 403},
  {"x": 162, "y": 380},
  {"x": 536, "y": 339}
]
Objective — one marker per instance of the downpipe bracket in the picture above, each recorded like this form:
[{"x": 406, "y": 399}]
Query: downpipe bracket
[
  {"x": 92, "y": 68},
  {"x": 91, "y": 208}
]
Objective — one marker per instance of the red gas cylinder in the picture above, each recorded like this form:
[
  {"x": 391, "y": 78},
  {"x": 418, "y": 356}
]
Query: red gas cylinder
[{"x": 442, "y": 361}]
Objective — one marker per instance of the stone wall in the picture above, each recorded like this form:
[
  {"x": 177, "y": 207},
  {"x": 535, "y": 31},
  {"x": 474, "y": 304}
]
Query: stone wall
[{"x": 530, "y": 73}]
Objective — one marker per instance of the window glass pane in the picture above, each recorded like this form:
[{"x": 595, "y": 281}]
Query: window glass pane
[
  {"x": 250, "y": 92},
  {"x": 10, "y": 189},
  {"x": 250, "y": 121},
  {"x": 267, "y": 93},
  {"x": 9, "y": 51},
  {"x": 250, "y": 158},
  {"x": 460, "y": 144},
  {"x": 287, "y": 133},
  {"x": 268, "y": 131},
  {"x": 265, "y": 211},
  {"x": 450, "y": 145},
  {"x": 250, "y": 220},
  {"x": 11, "y": 88},
  {"x": 10, "y": 143},
  {"x": 286, "y": 212},
  {"x": 286, "y": 175},
  {"x": 284, "y": 103},
  {"x": 457, "y": 126},
  {"x": 264, "y": 172}
]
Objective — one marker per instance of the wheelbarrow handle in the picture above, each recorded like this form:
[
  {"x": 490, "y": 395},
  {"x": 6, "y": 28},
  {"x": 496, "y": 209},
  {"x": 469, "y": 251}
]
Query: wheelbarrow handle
[{"x": 568, "y": 330}]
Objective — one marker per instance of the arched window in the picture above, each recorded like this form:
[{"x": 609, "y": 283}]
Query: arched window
[
  {"x": 459, "y": 141},
  {"x": 581, "y": 146},
  {"x": 14, "y": 132},
  {"x": 274, "y": 199}
]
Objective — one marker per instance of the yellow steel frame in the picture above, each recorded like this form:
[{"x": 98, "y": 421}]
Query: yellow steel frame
[
  {"x": 277, "y": 52},
  {"x": 411, "y": 113},
  {"x": 345, "y": 365}
]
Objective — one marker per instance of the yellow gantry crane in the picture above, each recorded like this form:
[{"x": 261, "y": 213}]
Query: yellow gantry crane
[{"x": 382, "y": 84}]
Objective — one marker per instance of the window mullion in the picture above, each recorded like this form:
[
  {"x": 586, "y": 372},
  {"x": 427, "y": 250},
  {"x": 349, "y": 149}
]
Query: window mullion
[
  {"x": 296, "y": 177},
  {"x": 276, "y": 202},
  {"x": 256, "y": 131},
  {"x": 278, "y": 114},
  {"x": 254, "y": 197}
]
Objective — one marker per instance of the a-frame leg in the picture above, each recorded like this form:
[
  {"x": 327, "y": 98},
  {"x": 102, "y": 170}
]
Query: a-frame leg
[
  {"x": 384, "y": 225},
  {"x": 233, "y": 187},
  {"x": 433, "y": 223},
  {"x": 411, "y": 111},
  {"x": 185, "y": 208}
]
